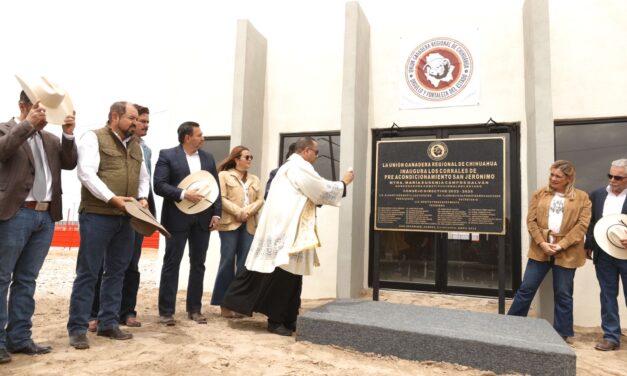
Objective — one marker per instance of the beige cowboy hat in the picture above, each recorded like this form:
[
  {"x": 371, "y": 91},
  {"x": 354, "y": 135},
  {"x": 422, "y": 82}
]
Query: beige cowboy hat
[
  {"x": 206, "y": 185},
  {"x": 608, "y": 233},
  {"x": 55, "y": 100},
  {"x": 142, "y": 220}
]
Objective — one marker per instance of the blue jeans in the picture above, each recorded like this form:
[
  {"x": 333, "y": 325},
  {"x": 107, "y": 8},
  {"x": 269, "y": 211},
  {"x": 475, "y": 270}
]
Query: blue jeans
[
  {"x": 108, "y": 239},
  {"x": 609, "y": 269},
  {"x": 24, "y": 243},
  {"x": 563, "y": 281},
  {"x": 234, "y": 246}
]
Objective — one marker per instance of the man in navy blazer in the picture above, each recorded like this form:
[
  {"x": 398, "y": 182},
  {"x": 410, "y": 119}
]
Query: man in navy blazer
[
  {"x": 606, "y": 201},
  {"x": 172, "y": 167}
]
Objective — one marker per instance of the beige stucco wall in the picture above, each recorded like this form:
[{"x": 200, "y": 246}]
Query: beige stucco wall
[{"x": 588, "y": 63}]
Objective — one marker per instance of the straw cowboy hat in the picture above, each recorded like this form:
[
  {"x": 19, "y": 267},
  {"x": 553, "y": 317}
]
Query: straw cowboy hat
[
  {"x": 142, "y": 220},
  {"x": 55, "y": 100},
  {"x": 608, "y": 233},
  {"x": 206, "y": 185}
]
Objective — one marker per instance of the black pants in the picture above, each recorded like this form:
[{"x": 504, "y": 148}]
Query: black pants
[
  {"x": 198, "y": 239},
  {"x": 276, "y": 295}
]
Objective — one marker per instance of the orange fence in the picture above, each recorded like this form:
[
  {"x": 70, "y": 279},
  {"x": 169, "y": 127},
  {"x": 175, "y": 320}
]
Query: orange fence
[{"x": 66, "y": 235}]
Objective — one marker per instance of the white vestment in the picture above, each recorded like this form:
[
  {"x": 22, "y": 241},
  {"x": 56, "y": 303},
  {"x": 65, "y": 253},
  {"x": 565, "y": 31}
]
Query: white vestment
[{"x": 286, "y": 234}]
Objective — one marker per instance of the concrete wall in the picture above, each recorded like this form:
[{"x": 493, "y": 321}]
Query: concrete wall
[{"x": 582, "y": 91}]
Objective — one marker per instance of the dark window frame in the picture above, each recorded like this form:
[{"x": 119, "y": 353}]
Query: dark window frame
[
  {"x": 441, "y": 256},
  {"x": 316, "y": 135}
]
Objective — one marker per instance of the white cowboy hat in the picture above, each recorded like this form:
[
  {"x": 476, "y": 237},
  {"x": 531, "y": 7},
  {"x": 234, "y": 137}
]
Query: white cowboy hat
[
  {"x": 55, "y": 100},
  {"x": 142, "y": 220},
  {"x": 206, "y": 185},
  {"x": 608, "y": 233}
]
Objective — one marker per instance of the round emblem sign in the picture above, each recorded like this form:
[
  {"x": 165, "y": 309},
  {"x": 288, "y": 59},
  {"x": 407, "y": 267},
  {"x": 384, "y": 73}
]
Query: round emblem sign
[
  {"x": 437, "y": 150},
  {"x": 438, "y": 69}
]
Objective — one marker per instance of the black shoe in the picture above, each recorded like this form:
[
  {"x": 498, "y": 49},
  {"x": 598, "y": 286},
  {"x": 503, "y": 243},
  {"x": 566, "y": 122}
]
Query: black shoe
[
  {"x": 198, "y": 317},
  {"x": 290, "y": 325},
  {"x": 167, "y": 320},
  {"x": 79, "y": 341},
  {"x": 4, "y": 356},
  {"x": 279, "y": 329},
  {"x": 114, "y": 333},
  {"x": 32, "y": 349}
]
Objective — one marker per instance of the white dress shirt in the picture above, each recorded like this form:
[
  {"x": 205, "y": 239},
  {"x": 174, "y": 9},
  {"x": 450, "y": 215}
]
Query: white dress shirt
[
  {"x": 614, "y": 203},
  {"x": 193, "y": 162},
  {"x": 89, "y": 162},
  {"x": 44, "y": 157}
]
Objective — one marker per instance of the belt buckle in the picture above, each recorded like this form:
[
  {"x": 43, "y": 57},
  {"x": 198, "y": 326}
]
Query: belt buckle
[{"x": 41, "y": 206}]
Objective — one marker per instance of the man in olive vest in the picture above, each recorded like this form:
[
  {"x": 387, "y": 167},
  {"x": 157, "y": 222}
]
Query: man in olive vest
[{"x": 111, "y": 169}]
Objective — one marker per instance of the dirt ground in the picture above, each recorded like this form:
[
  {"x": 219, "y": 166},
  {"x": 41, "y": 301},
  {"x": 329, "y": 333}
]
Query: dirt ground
[{"x": 236, "y": 347}]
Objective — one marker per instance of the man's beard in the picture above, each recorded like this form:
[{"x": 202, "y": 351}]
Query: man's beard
[{"x": 129, "y": 132}]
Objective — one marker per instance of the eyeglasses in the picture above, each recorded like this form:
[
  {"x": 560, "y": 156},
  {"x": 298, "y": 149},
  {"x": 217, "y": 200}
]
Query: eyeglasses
[
  {"x": 247, "y": 157},
  {"x": 615, "y": 177},
  {"x": 315, "y": 151}
]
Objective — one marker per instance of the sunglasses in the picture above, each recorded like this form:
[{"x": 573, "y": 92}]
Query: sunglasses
[
  {"x": 247, "y": 157},
  {"x": 615, "y": 177}
]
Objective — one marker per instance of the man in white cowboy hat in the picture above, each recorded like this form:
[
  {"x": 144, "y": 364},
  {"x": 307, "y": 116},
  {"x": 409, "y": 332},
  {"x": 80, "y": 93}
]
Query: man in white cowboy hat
[
  {"x": 189, "y": 213},
  {"x": 607, "y": 201},
  {"x": 31, "y": 160},
  {"x": 112, "y": 172}
]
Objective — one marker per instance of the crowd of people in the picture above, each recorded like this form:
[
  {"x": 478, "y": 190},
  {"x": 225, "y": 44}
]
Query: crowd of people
[
  {"x": 268, "y": 241},
  {"x": 114, "y": 168}
]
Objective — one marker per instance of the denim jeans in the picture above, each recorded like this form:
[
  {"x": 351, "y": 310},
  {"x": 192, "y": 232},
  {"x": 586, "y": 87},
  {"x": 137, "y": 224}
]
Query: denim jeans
[
  {"x": 563, "y": 281},
  {"x": 234, "y": 246},
  {"x": 108, "y": 239},
  {"x": 24, "y": 243},
  {"x": 608, "y": 270},
  {"x": 129, "y": 287}
]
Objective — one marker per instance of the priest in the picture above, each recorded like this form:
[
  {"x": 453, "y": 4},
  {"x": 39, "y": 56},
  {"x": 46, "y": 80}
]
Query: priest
[{"x": 284, "y": 247}]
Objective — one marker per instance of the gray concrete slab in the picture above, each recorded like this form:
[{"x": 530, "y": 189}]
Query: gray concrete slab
[{"x": 485, "y": 341}]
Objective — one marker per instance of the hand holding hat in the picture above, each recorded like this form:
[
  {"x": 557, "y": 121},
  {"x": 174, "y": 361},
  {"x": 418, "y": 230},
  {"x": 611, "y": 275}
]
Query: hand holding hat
[
  {"x": 203, "y": 191},
  {"x": 54, "y": 101},
  {"x": 142, "y": 220}
]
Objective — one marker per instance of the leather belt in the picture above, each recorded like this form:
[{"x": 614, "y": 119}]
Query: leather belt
[{"x": 37, "y": 205}]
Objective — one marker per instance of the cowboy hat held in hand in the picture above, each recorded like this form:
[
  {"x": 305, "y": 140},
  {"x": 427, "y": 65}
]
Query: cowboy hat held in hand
[
  {"x": 206, "y": 185},
  {"x": 608, "y": 233},
  {"x": 51, "y": 97}
]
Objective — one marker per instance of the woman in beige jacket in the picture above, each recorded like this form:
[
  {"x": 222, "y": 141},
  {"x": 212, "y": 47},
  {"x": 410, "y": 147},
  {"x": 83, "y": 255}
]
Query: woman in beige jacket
[
  {"x": 241, "y": 200},
  {"x": 557, "y": 221}
]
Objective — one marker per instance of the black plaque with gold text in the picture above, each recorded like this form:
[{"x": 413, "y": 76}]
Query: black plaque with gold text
[{"x": 441, "y": 185}]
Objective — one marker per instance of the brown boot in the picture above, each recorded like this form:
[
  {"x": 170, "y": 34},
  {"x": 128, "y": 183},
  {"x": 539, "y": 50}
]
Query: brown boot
[{"x": 606, "y": 345}]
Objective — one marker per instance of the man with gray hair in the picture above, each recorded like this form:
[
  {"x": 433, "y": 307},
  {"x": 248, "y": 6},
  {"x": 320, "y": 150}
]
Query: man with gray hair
[{"x": 606, "y": 201}]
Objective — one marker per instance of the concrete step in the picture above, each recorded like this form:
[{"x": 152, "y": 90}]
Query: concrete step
[{"x": 484, "y": 341}]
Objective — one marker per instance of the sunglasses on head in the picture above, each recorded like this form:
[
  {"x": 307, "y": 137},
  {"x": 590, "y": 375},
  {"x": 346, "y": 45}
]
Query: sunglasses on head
[
  {"x": 615, "y": 177},
  {"x": 247, "y": 157}
]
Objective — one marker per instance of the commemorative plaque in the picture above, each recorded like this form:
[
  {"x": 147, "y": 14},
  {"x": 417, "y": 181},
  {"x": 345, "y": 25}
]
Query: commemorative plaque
[{"x": 441, "y": 185}]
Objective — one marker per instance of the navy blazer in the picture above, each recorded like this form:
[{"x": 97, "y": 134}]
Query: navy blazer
[
  {"x": 598, "y": 201},
  {"x": 170, "y": 170}
]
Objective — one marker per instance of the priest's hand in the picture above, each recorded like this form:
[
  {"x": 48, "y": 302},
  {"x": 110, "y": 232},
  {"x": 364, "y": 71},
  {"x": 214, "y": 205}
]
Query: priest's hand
[{"x": 348, "y": 176}]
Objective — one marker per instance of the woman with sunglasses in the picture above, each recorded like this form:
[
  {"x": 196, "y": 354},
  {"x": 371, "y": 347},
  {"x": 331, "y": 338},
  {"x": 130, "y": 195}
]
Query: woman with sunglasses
[
  {"x": 557, "y": 221},
  {"x": 241, "y": 200}
]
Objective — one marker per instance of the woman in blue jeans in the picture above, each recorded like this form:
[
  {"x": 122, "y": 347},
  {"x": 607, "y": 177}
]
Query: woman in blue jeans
[
  {"x": 557, "y": 221},
  {"x": 241, "y": 200}
]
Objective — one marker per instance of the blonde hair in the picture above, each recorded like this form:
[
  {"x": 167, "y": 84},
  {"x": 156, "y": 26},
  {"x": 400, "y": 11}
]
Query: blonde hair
[{"x": 568, "y": 169}]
